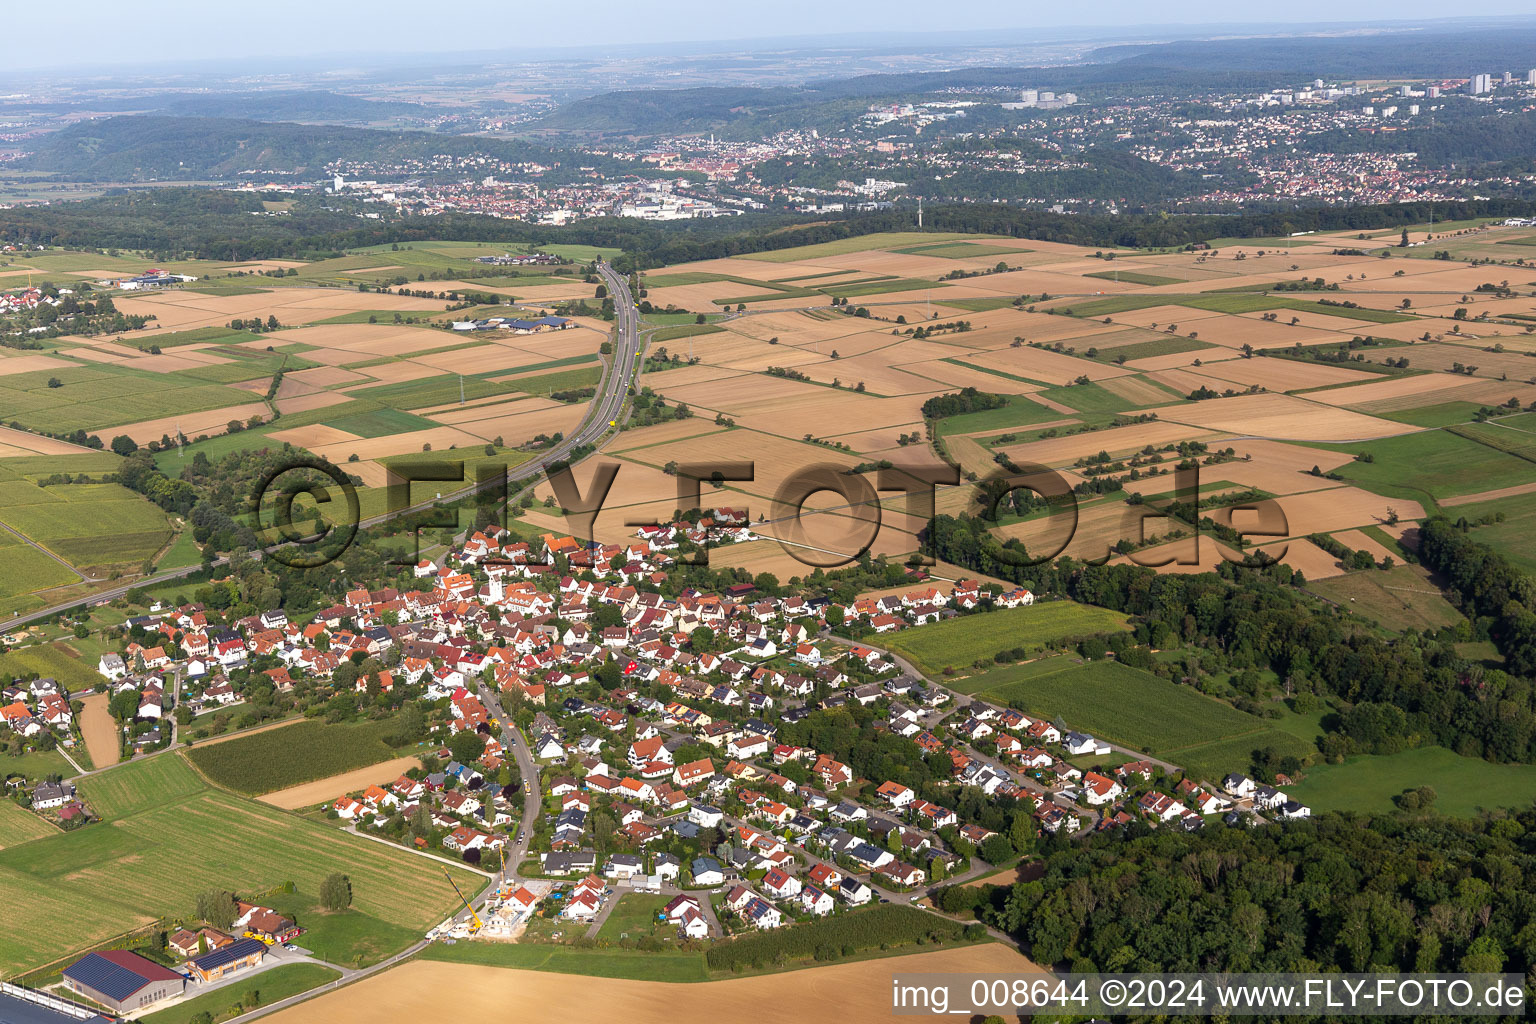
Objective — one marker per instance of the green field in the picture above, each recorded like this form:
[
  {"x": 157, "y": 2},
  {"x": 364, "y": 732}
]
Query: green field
[
  {"x": 1091, "y": 398},
  {"x": 1512, "y": 537},
  {"x": 960, "y": 641},
  {"x": 380, "y": 423},
  {"x": 91, "y": 397},
  {"x": 860, "y": 243},
  {"x": 264, "y": 762},
  {"x": 201, "y": 335},
  {"x": 668, "y": 966},
  {"x": 76, "y": 890},
  {"x": 1165, "y": 346},
  {"x": 140, "y": 786},
  {"x": 1117, "y": 703},
  {"x": 1229, "y": 302},
  {"x": 348, "y": 937},
  {"x": 1433, "y": 464},
  {"x": 19, "y": 825},
  {"x": 50, "y": 660},
  {"x": 980, "y": 305},
  {"x": 635, "y": 915},
  {"x": 1135, "y": 277},
  {"x": 1399, "y": 598},
  {"x": 1019, "y": 411},
  {"x": 964, "y": 250},
  {"x": 1465, "y": 785},
  {"x": 271, "y": 985},
  {"x": 684, "y": 331}
]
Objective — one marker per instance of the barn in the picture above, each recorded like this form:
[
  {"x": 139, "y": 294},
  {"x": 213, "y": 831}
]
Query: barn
[{"x": 121, "y": 981}]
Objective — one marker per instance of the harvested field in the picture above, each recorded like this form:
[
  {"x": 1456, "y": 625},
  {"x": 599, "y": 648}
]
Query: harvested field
[
  {"x": 312, "y": 436},
  {"x": 1183, "y": 556},
  {"x": 1502, "y": 492},
  {"x": 1063, "y": 451},
  {"x": 1394, "y": 392},
  {"x": 1302, "y": 554},
  {"x": 1281, "y": 416},
  {"x": 29, "y": 363},
  {"x": 422, "y": 989},
  {"x": 100, "y": 731},
  {"x": 15, "y": 442},
  {"x": 324, "y": 790},
  {"x": 1048, "y": 367},
  {"x": 211, "y": 421},
  {"x": 1283, "y": 374},
  {"x": 1136, "y": 391}
]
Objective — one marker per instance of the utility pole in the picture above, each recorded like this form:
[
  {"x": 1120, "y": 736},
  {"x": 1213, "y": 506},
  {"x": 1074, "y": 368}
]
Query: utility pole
[{"x": 919, "y": 213}]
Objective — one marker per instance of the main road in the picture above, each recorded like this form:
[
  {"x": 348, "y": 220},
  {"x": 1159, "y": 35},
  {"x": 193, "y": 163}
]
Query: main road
[{"x": 606, "y": 410}]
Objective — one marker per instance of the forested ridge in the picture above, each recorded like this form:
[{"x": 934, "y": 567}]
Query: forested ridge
[
  {"x": 1339, "y": 892},
  {"x": 219, "y": 225}
]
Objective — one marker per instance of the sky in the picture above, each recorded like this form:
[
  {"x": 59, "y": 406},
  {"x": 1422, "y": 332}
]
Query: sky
[{"x": 118, "y": 33}]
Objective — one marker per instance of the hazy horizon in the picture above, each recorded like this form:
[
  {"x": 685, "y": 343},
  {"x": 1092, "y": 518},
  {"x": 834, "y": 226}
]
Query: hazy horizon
[{"x": 117, "y": 35}]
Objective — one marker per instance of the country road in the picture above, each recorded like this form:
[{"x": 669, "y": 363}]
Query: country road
[{"x": 605, "y": 410}]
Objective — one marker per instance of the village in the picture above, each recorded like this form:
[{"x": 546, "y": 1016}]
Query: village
[{"x": 598, "y": 748}]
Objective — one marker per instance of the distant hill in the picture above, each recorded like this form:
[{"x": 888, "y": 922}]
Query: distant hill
[
  {"x": 286, "y": 105},
  {"x": 158, "y": 147}
]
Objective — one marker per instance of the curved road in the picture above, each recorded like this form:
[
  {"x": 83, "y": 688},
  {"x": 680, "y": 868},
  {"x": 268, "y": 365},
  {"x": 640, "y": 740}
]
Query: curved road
[{"x": 606, "y": 409}]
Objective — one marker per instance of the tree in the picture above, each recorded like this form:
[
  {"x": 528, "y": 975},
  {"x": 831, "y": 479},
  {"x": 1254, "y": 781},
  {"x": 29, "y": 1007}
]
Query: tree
[
  {"x": 54, "y": 382},
  {"x": 467, "y": 746},
  {"x": 124, "y": 445},
  {"x": 336, "y": 892},
  {"x": 217, "y": 907}
]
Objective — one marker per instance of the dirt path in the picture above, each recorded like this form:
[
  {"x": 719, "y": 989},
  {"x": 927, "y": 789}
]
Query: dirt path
[
  {"x": 428, "y": 990},
  {"x": 321, "y": 790},
  {"x": 100, "y": 731},
  {"x": 1502, "y": 492},
  {"x": 246, "y": 732}
]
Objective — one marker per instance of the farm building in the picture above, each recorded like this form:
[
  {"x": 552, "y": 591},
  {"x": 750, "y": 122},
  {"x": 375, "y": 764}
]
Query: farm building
[
  {"x": 220, "y": 963},
  {"x": 28, "y": 1006},
  {"x": 122, "y": 981}
]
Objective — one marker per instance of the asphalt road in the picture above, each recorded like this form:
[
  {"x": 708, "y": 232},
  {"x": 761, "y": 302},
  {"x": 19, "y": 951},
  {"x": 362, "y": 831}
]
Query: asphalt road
[{"x": 606, "y": 408}]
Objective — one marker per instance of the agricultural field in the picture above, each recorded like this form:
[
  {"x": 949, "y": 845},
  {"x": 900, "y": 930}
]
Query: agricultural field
[
  {"x": 274, "y": 759},
  {"x": 56, "y": 660},
  {"x": 1118, "y": 703},
  {"x": 1403, "y": 597},
  {"x": 154, "y": 854},
  {"x": 1464, "y": 786},
  {"x": 19, "y": 825},
  {"x": 959, "y": 641}
]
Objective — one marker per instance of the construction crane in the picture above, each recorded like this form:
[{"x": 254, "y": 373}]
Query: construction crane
[{"x": 475, "y": 924}]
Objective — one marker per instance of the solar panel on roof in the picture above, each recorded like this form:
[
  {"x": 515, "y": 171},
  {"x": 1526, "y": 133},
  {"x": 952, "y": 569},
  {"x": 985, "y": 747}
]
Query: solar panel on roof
[
  {"x": 102, "y": 975},
  {"x": 229, "y": 954}
]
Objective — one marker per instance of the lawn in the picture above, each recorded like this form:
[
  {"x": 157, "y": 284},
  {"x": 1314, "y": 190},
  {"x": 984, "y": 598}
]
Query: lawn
[
  {"x": 19, "y": 825},
  {"x": 1465, "y": 785},
  {"x": 265, "y": 762},
  {"x": 635, "y": 915},
  {"x": 1118, "y": 703},
  {"x": 960, "y": 641},
  {"x": 79, "y": 889},
  {"x": 272, "y": 986},
  {"x": 350, "y": 938}
]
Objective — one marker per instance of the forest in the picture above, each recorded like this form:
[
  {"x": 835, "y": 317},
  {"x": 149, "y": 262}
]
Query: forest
[
  {"x": 1339, "y": 892},
  {"x": 218, "y": 225}
]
